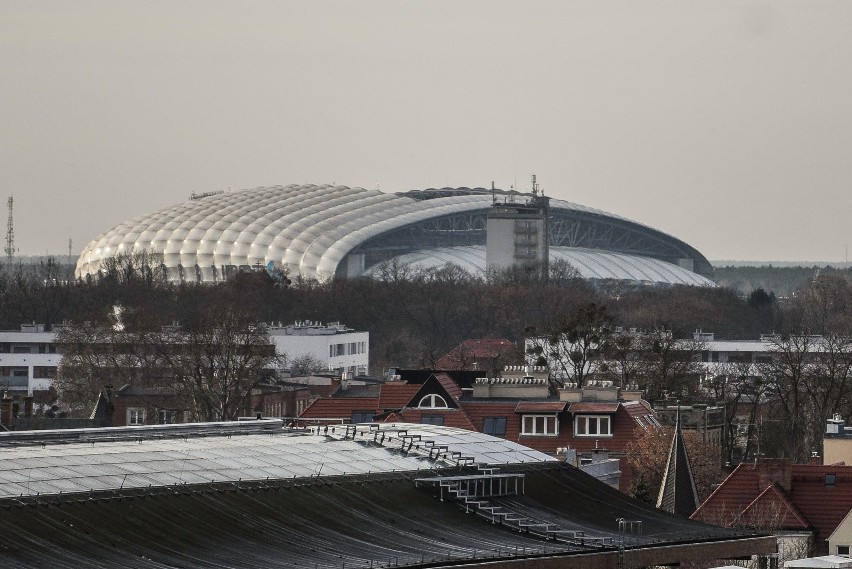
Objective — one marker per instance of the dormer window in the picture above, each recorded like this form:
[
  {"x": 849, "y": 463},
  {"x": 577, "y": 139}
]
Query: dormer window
[
  {"x": 433, "y": 401},
  {"x": 592, "y": 426},
  {"x": 540, "y": 425}
]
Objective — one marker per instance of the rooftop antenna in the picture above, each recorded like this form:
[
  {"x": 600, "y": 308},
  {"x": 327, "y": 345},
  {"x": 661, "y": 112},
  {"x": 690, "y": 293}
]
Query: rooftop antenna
[
  {"x": 10, "y": 232},
  {"x": 534, "y": 187},
  {"x": 70, "y": 243}
]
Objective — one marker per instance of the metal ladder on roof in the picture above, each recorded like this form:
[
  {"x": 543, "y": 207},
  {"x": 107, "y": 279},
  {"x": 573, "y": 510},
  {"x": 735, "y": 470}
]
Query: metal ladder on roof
[{"x": 496, "y": 514}]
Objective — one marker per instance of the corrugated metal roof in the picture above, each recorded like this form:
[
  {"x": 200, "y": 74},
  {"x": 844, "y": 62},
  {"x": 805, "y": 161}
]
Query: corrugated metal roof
[{"x": 141, "y": 458}]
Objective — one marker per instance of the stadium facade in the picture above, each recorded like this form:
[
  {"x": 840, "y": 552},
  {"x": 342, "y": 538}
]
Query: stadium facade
[{"x": 326, "y": 231}]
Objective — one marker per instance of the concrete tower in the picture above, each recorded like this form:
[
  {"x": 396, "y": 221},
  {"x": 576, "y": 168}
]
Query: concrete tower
[{"x": 517, "y": 233}]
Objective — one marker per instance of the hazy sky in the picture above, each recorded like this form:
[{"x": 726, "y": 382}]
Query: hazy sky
[{"x": 727, "y": 124}]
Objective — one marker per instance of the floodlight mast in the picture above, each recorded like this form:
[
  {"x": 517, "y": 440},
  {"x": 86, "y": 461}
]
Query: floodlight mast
[{"x": 10, "y": 232}]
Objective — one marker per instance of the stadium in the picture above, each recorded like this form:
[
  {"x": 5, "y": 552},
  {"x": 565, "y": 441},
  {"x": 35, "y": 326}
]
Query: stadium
[{"x": 323, "y": 231}]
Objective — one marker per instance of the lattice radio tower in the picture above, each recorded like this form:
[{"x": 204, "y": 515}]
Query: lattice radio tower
[{"x": 10, "y": 232}]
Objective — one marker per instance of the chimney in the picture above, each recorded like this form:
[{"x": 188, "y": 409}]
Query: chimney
[
  {"x": 344, "y": 380},
  {"x": 835, "y": 426},
  {"x": 775, "y": 470},
  {"x": 28, "y": 406},
  {"x": 6, "y": 411}
]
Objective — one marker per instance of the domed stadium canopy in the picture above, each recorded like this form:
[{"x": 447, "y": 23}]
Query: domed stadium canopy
[{"x": 326, "y": 231}]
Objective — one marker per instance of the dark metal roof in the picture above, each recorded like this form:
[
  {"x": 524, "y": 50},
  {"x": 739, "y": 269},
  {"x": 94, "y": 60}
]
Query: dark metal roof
[{"x": 378, "y": 520}]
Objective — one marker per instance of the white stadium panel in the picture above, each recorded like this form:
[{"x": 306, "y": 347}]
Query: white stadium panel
[
  {"x": 310, "y": 230},
  {"x": 591, "y": 264}
]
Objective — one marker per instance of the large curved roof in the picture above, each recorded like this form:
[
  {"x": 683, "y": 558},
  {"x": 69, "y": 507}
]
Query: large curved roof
[
  {"x": 310, "y": 230},
  {"x": 590, "y": 264}
]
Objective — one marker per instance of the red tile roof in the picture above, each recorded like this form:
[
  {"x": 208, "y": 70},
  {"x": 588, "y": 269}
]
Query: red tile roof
[
  {"x": 541, "y": 407},
  {"x": 725, "y": 504},
  {"x": 396, "y": 395},
  {"x": 593, "y": 407},
  {"x": 452, "y": 417},
  {"x": 810, "y": 501},
  {"x": 773, "y": 508},
  {"x": 338, "y": 407},
  {"x": 449, "y": 384},
  {"x": 467, "y": 352}
]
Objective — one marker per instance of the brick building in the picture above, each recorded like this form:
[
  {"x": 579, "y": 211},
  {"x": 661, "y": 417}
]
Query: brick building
[{"x": 522, "y": 406}]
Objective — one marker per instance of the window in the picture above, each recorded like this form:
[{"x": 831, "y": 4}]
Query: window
[
  {"x": 542, "y": 425},
  {"x": 164, "y": 417},
  {"x": 21, "y": 350},
  {"x": 136, "y": 416},
  {"x": 830, "y": 479},
  {"x": 843, "y": 550},
  {"x": 592, "y": 426},
  {"x": 494, "y": 426},
  {"x": 48, "y": 372},
  {"x": 433, "y": 401},
  {"x": 432, "y": 420},
  {"x": 362, "y": 416}
]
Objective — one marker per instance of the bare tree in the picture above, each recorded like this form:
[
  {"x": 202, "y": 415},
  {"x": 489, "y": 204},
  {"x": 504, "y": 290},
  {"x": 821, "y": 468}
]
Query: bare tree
[
  {"x": 789, "y": 375},
  {"x": 208, "y": 370},
  {"x": 95, "y": 356},
  {"x": 306, "y": 364},
  {"x": 623, "y": 354},
  {"x": 575, "y": 348},
  {"x": 215, "y": 366},
  {"x": 668, "y": 363}
]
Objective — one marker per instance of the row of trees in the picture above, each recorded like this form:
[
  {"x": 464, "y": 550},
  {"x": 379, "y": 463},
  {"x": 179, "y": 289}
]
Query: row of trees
[
  {"x": 586, "y": 343},
  {"x": 207, "y": 370},
  {"x": 414, "y": 317}
]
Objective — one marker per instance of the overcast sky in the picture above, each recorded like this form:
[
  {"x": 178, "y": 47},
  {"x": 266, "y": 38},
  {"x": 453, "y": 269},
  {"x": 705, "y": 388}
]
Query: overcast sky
[{"x": 726, "y": 124}]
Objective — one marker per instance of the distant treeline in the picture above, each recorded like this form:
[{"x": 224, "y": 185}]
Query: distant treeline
[
  {"x": 414, "y": 318},
  {"x": 782, "y": 281}
]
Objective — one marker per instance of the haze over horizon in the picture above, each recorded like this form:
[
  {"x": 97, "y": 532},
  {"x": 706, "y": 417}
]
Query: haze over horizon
[{"x": 726, "y": 124}]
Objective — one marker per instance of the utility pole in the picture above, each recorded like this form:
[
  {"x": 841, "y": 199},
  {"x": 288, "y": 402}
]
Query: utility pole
[{"x": 10, "y": 232}]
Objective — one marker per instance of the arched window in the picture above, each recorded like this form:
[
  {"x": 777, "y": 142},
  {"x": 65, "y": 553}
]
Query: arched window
[{"x": 433, "y": 402}]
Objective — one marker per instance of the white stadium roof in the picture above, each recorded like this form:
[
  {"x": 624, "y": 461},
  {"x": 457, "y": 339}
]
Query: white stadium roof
[{"x": 310, "y": 230}]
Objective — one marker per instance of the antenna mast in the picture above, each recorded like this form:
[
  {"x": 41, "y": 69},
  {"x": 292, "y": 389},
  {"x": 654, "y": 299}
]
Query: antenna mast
[{"x": 10, "y": 232}]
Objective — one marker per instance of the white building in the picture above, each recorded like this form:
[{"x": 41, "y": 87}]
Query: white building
[
  {"x": 338, "y": 347},
  {"x": 28, "y": 359}
]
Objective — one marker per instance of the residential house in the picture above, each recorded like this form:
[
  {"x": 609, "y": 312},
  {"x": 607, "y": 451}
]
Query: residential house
[
  {"x": 840, "y": 539},
  {"x": 521, "y": 406},
  {"x": 707, "y": 420},
  {"x": 477, "y": 354},
  {"x": 134, "y": 406},
  {"x": 837, "y": 442},
  {"x": 803, "y": 503}
]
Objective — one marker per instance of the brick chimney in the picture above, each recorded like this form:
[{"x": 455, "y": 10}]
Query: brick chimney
[
  {"x": 28, "y": 406},
  {"x": 772, "y": 470},
  {"x": 6, "y": 411}
]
